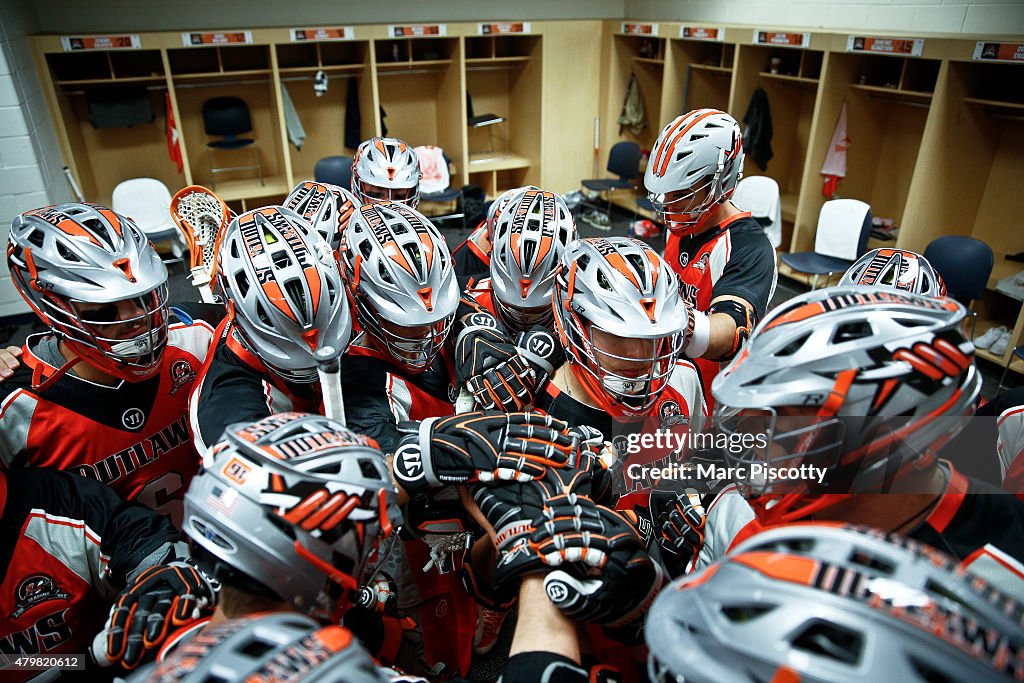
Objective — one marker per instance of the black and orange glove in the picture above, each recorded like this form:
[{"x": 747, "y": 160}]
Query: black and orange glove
[
  {"x": 482, "y": 447},
  {"x": 160, "y": 600},
  {"x": 678, "y": 521},
  {"x": 491, "y": 367}
]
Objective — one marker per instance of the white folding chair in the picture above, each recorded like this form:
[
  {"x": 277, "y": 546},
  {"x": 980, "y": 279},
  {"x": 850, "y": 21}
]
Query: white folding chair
[
  {"x": 147, "y": 201},
  {"x": 842, "y": 237},
  {"x": 759, "y": 195}
]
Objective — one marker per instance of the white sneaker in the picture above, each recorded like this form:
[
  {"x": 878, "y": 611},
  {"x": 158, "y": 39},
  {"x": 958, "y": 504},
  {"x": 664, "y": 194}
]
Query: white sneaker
[
  {"x": 990, "y": 337},
  {"x": 1001, "y": 344}
]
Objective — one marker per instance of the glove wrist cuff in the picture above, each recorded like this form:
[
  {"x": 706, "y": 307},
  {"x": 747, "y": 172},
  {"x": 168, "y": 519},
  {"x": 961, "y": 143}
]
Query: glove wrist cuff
[{"x": 700, "y": 335}]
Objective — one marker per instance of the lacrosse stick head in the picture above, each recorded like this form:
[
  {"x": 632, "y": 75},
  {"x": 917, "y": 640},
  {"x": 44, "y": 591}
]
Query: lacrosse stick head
[{"x": 201, "y": 216}]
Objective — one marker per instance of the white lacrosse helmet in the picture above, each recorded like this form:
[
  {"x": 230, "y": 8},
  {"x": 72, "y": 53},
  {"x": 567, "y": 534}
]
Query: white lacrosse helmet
[
  {"x": 326, "y": 207},
  {"x": 386, "y": 170},
  {"x": 695, "y": 165}
]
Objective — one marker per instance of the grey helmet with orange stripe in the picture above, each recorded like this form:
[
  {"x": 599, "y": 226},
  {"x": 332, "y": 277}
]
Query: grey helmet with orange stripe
[
  {"x": 694, "y": 166},
  {"x": 327, "y": 208},
  {"x": 400, "y": 278},
  {"x": 281, "y": 646},
  {"x": 386, "y": 170},
  {"x": 293, "y": 506},
  {"x": 866, "y": 383},
  {"x": 818, "y": 603},
  {"x": 80, "y": 266},
  {"x": 284, "y": 292},
  {"x": 499, "y": 204},
  {"x": 530, "y": 236},
  {"x": 617, "y": 292},
  {"x": 896, "y": 268}
]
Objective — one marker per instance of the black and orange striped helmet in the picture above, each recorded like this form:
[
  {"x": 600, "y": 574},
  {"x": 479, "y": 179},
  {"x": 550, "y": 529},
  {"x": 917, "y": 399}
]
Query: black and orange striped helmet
[
  {"x": 94, "y": 278},
  {"x": 819, "y": 603},
  {"x": 865, "y": 382},
  {"x": 327, "y": 208},
  {"x": 284, "y": 292}
]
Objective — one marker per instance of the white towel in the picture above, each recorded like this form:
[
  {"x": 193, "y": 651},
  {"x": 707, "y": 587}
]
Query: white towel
[{"x": 296, "y": 133}]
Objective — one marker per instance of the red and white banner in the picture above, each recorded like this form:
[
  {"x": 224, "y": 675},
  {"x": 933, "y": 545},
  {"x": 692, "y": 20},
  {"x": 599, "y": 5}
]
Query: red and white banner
[
  {"x": 173, "y": 140},
  {"x": 834, "y": 167},
  {"x": 503, "y": 28},
  {"x": 999, "y": 52},
  {"x": 702, "y": 33},
  {"x": 640, "y": 29},
  {"x": 217, "y": 38},
  {"x": 417, "y": 30},
  {"x": 782, "y": 39}
]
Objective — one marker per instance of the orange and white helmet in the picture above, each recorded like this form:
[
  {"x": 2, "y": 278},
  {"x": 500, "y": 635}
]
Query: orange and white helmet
[
  {"x": 326, "y": 207},
  {"x": 386, "y": 170},
  {"x": 63, "y": 256},
  {"x": 695, "y": 165},
  {"x": 284, "y": 291},
  {"x": 401, "y": 280},
  {"x": 898, "y": 269},
  {"x": 530, "y": 236},
  {"x": 621, "y": 287}
]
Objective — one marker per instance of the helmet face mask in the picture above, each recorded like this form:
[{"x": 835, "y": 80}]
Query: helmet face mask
[
  {"x": 95, "y": 279},
  {"x": 620, "y": 318},
  {"x": 686, "y": 211},
  {"x": 386, "y": 170}
]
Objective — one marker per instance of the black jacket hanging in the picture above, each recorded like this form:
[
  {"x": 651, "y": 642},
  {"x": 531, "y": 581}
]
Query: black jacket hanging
[
  {"x": 353, "y": 117},
  {"x": 757, "y": 137}
]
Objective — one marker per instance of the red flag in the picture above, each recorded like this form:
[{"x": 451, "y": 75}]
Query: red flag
[
  {"x": 173, "y": 141},
  {"x": 834, "y": 167}
]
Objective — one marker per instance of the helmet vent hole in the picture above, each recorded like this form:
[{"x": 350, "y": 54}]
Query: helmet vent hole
[
  {"x": 234, "y": 249},
  {"x": 583, "y": 261},
  {"x": 745, "y": 613},
  {"x": 877, "y": 564},
  {"x": 365, "y": 249},
  {"x": 281, "y": 259},
  {"x": 851, "y": 332},
  {"x": 36, "y": 238},
  {"x": 261, "y": 314},
  {"x": 255, "y": 649},
  {"x": 831, "y": 641},
  {"x": 603, "y": 282},
  {"x": 529, "y": 251},
  {"x": 332, "y": 293},
  {"x": 297, "y": 293},
  {"x": 384, "y": 274},
  {"x": 242, "y": 283},
  {"x": 929, "y": 673},
  {"x": 400, "y": 229},
  {"x": 682, "y": 155},
  {"x": 369, "y": 469},
  {"x": 792, "y": 347},
  {"x": 67, "y": 254},
  {"x": 415, "y": 256},
  {"x": 637, "y": 262}
]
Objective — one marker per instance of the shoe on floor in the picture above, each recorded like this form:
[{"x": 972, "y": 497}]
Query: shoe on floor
[
  {"x": 990, "y": 337},
  {"x": 1001, "y": 344},
  {"x": 488, "y": 627},
  {"x": 597, "y": 220}
]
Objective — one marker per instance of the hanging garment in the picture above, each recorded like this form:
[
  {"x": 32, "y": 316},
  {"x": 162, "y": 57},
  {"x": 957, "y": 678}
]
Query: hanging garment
[
  {"x": 757, "y": 137},
  {"x": 633, "y": 116},
  {"x": 296, "y": 133},
  {"x": 434, "y": 176},
  {"x": 383, "y": 126},
  {"x": 834, "y": 167},
  {"x": 119, "y": 107},
  {"x": 353, "y": 117},
  {"x": 321, "y": 83},
  {"x": 173, "y": 139}
]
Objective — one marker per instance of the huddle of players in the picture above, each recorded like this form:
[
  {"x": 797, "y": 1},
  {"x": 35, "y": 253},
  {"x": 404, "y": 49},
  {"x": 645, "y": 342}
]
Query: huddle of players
[{"x": 297, "y": 515}]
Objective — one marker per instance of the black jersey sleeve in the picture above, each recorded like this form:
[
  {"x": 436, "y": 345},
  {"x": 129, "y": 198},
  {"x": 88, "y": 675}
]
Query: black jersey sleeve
[
  {"x": 230, "y": 392},
  {"x": 367, "y": 409},
  {"x": 750, "y": 273}
]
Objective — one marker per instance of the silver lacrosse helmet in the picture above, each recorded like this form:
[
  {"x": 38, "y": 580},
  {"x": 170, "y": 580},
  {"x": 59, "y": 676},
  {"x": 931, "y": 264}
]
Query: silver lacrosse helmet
[
  {"x": 386, "y": 170},
  {"x": 327, "y": 208},
  {"x": 617, "y": 292},
  {"x": 896, "y": 268},
  {"x": 94, "y": 278},
  {"x": 499, "y": 204},
  {"x": 284, "y": 292},
  {"x": 694, "y": 166},
  {"x": 530, "y": 236},
  {"x": 820, "y": 603},
  {"x": 401, "y": 281},
  {"x": 297, "y": 503},
  {"x": 865, "y": 382},
  {"x": 284, "y": 647}
]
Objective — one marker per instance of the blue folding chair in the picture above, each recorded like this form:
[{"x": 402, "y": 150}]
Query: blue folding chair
[{"x": 335, "y": 171}]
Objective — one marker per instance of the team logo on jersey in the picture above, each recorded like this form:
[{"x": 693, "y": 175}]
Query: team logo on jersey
[
  {"x": 684, "y": 258},
  {"x": 34, "y": 590},
  {"x": 133, "y": 419},
  {"x": 181, "y": 374},
  {"x": 453, "y": 393},
  {"x": 671, "y": 415},
  {"x": 701, "y": 264}
]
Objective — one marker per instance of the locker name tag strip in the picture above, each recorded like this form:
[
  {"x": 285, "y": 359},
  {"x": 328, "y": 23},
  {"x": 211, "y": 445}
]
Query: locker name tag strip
[
  {"x": 640, "y": 29},
  {"x": 217, "y": 38},
  {"x": 494, "y": 29},
  {"x": 417, "y": 30},
  {"x": 304, "y": 35},
  {"x": 128, "y": 41},
  {"x": 782, "y": 39},
  {"x": 702, "y": 33},
  {"x": 999, "y": 52},
  {"x": 910, "y": 47}
]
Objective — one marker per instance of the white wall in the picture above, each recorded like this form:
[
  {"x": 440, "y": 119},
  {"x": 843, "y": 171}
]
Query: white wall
[
  {"x": 999, "y": 17},
  {"x": 63, "y": 16},
  {"x": 30, "y": 162}
]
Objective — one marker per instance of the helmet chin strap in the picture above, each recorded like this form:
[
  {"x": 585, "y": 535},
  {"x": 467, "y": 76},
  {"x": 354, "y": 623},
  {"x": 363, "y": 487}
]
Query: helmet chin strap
[{"x": 37, "y": 374}]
